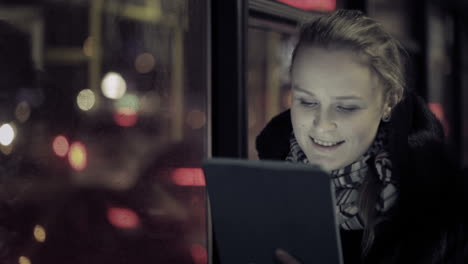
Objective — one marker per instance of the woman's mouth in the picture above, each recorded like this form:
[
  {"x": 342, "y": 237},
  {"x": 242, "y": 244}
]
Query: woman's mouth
[{"x": 326, "y": 144}]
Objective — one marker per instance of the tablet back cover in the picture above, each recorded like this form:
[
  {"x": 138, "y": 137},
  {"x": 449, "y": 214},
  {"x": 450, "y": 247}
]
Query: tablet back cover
[{"x": 258, "y": 206}]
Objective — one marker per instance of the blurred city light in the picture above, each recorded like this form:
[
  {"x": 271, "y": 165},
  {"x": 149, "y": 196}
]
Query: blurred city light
[
  {"x": 77, "y": 156},
  {"x": 60, "y": 146},
  {"x": 125, "y": 117},
  {"x": 438, "y": 111},
  {"x": 86, "y": 99},
  {"x": 320, "y": 5},
  {"x": 199, "y": 254},
  {"x": 113, "y": 85},
  {"x": 24, "y": 260},
  {"x": 23, "y": 112},
  {"x": 88, "y": 46},
  {"x": 144, "y": 63},
  {"x": 188, "y": 177},
  {"x": 123, "y": 218},
  {"x": 150, "y": 103},
  {"x": 128, "y": 101},
  {"x": 196, "y": 119},
  {"x": 39, "y": 233},
  {"x": 7, "y": 134}
]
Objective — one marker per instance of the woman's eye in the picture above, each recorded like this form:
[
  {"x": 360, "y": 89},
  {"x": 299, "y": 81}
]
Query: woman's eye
[
  {"x": 347, "y": 108},
  {"x": 308, "y": 103}
]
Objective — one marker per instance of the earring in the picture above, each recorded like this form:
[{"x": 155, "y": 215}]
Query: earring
[{"x": 386, "y": 117}]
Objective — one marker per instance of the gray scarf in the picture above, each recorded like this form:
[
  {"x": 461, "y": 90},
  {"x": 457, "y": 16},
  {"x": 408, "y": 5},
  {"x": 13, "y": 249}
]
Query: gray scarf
[{"x": 348, "y": 180}]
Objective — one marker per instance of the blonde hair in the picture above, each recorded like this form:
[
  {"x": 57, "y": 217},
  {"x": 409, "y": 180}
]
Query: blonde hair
[{"x": 352, "y": 30}]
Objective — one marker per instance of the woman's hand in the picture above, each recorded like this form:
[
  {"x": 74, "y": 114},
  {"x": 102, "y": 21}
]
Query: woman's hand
[{"x": 285, "y": 258}]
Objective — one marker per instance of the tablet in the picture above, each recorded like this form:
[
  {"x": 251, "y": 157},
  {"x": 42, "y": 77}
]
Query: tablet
[{"x": 259, "y": 206}]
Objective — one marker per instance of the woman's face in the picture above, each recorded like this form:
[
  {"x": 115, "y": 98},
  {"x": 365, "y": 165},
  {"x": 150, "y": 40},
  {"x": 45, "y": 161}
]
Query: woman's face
[{"x": 337, "y": 106}]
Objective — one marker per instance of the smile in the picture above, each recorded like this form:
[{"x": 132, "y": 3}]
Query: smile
[{"x": 326, "y": 143}]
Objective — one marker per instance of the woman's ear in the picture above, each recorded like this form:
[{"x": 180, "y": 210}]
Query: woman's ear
[{"x": 387, "y": 113}]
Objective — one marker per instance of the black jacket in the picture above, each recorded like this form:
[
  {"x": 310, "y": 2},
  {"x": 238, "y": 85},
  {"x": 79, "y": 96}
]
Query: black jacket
[{"x": 426, "y": 223}]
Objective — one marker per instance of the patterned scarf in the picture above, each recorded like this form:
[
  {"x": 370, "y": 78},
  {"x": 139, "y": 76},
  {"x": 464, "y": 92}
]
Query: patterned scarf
[{"x": 348, "y": 180}]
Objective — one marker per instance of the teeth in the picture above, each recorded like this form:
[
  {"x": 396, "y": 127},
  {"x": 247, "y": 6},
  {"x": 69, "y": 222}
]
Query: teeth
[{"x": 324, "y": 143}]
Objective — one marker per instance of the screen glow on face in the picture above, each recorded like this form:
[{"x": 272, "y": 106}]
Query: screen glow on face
[{"x": 337, "y": 105}]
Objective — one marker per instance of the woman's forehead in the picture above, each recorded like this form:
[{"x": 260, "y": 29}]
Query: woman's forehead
[{"x": 336, "y": 72}]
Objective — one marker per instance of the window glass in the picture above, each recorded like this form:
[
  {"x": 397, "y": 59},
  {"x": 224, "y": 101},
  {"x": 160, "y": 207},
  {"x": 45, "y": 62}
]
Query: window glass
[
  {"x": 270, "y": 49},
  {"x": 103, "y": 126}
]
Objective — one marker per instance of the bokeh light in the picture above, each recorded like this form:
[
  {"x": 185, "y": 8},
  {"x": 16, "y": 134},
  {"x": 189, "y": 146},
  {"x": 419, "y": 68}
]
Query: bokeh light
[
  {"x": 123, "y": 218},
  {"x": 128, "y": 101},
  {"x": 125, "y": 117},
  {"x": 23, "y": 111},
  {"x": 150, "y": 103},
  {"x": 60, "y": 146},
  {"x": 86, "y": 99},
  {"x": 144, "y": 63},
  {"x": 77, "y": 156},
  {"x": 113, "y": 85},
  {"x": 199, "y": 254},
  {"x": 438, "y": 111},
  {"x": 39, "y": 233},
  {"x": 7, "y": 134},
  {"x": 24, "y": 260},
  {"x": 88, "y": 46},
  {"x": 196, "y": 119},
  {"x": 188, "y": 177}
]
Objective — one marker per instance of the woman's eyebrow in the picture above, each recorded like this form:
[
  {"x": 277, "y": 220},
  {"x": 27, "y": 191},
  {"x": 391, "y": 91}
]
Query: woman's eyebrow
[
  {"x": 341, "y": 97},
  {"x": 297, "y": 88}
]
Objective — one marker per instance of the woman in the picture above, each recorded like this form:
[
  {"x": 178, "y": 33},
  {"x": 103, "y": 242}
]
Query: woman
[{"x": 352, "y": 115}]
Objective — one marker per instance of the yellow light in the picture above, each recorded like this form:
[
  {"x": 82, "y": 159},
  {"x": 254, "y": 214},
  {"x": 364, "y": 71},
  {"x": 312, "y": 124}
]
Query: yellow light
[
  {"x": 23, "y": 112},
  {"x": 77, "y": 156},
  {"x": 113, "y": 85},
  {"x": 144, "y": 63},
  {"x": 85, "y": 99},
  {"x": 39, "y": 233},
  {"x": 24, "y": 260},
  {"x": 88, "y": 46},
  {"x": 7, "y": 134}
]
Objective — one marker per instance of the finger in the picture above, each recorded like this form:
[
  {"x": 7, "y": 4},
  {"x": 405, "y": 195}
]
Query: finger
[{"x": 285, "y": 258}]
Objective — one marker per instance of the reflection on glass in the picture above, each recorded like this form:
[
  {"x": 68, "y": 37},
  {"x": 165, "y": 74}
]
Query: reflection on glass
[
  {"x": 23, "y": 111},
  {"x": 60, "y": 146},
  {"x": 85, "y": 99},
  {"x": 7, "y": 134},
  {"x": 77, "y": 156},
  {"x": 39, "y": 233},
  {"x": 93, "y": 165},
  {"x": 113, "y": 85}
]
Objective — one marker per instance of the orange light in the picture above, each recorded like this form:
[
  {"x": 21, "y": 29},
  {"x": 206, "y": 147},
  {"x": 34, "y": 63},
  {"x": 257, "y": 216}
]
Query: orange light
[
  {"x": 199, "y": 254},
  {"x": 188, "y": 177},
  {"x": 60, "y": 146},
  {"x": 125, "y": 117},
  {"x": 123, "y": 218},
  {"x": 77, "y": 156}
]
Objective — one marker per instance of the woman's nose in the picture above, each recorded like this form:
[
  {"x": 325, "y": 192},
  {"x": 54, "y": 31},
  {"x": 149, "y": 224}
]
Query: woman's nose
[{"x": 323, "y": 122}]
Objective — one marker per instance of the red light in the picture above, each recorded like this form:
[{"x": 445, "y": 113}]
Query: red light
[
  {"x": 188, "y": 177},
  {"x": 77, "y": 156},
  {"x": 125, "y": 117},
  {"x": 438, "y": 111},
  {"x": 123, "y": 218},
  {"x": 320, "y": 5},
  {"x": 199, "y": 254},
  {"x": 60, "y": 146}
]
